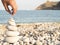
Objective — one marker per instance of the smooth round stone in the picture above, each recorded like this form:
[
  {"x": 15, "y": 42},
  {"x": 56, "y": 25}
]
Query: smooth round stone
[
  {"x": 17, "y": 43},
  {"x": 0, "y": 44},
  {"x": 12, "y": 23},
  {"x": 12, "y": 33},
  {"x": 1, "y": 37},
  {"x": 12, "y": 39},
  {"x": 13, "y": 28},
  {"x": 26, "y": 40},
  {"x": 11, "y": 19},
  {"x": 5, "y": 43}
]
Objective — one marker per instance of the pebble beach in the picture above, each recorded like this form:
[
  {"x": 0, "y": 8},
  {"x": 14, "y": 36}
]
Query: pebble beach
[{"x": 43, "y": 33}]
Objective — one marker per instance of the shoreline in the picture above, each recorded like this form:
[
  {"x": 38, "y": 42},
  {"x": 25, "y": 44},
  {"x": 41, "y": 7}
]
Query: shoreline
[
  {"x": 36, "y": 22},
  {"x": 28, "y": 25}
]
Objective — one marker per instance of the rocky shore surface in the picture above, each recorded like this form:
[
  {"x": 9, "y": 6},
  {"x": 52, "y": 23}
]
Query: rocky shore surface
[{"x": 43, "y": 33}]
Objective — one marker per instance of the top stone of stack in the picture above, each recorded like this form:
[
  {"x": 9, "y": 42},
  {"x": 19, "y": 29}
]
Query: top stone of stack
[
  {"x": 11, "y": 25},
  {"x": 11, "y": 22}
]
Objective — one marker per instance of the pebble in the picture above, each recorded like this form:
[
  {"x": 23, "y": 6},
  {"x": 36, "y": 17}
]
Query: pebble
[
  {"x": 12, "y": 39},
  {"x": 5, "y": 43},
  {"x": 12, "y": 28},
  {"x": 0, "y": 44},
  {"x": 17, "y": 43},
  {"x": 11, "y": 22},
  {"x": 1, "y": 37},
  {"x": 12, "y": 33}
]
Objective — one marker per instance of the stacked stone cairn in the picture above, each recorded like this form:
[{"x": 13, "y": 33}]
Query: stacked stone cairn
[{"x": 12, "y": 35}]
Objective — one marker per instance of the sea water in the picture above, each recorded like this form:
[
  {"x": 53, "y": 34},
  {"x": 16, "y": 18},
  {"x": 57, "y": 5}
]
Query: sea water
[{"x": 31, "y": 16}]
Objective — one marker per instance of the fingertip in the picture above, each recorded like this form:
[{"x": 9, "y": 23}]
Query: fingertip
[{"x": 14, "y": 12}]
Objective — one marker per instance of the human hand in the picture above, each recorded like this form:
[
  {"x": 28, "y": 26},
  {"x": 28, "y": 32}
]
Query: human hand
[{"x": 11, "y": 3}]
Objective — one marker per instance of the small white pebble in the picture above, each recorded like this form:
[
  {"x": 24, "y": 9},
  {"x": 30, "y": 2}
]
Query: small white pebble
[
  {"x": 1, "y": 37},
  {"x": 17, "y": 43},
  {"x": 0, "y": 43},
  {"x": 5, "y": 43}
]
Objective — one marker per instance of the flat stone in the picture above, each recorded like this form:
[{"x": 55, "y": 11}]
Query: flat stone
[
  {"x": 12, "y": 33},
  {"x": 1, "y": 37},
  {"x": 13, "y": 28},
  {"x": 17, "y": 43},
  {"x": 0, "y": 43},
  {"x": 11, "y": 22},
  {"x": 5, "y": 43},
  {"x": 12, "y": 39}
]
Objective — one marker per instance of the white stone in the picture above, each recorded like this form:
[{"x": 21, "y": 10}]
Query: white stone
[
  {"x": 10, "y": 44},
  {"x": 20, "y": 37},
  {"x": 5, "y": 43},
  {"x": 0, "y": 43},
  {"x": 21, "y": 42},
  {"x": 38, "y": 42},
  {"x": 26, "y": 40},
  {"x": 17, "y": 43},
  {"x": 12, "y": 33},
  {"x": 13, "y": 28},
  {"x": 31, "y": 39},
  {"x": 1, "y": 37},
  {"x": 1, "y": 31},
  {"x": 11, "y": 22},
  {"x": 12, "y": 39}
]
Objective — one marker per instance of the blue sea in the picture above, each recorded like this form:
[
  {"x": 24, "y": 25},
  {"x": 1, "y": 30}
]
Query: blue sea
[{"x": 31, "y": 16}]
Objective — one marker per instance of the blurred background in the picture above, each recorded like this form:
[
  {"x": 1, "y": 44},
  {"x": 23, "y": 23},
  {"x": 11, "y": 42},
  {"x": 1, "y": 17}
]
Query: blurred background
[{"x": 28, "y": 4}]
